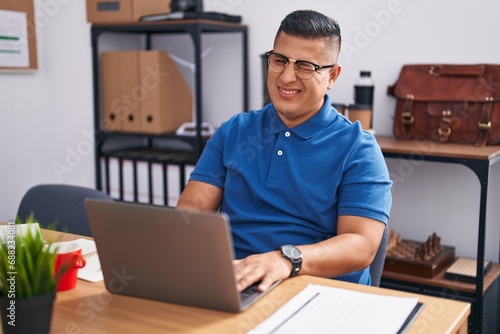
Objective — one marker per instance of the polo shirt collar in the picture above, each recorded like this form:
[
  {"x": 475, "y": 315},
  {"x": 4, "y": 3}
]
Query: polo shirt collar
[{"x": 324, "y": 117}]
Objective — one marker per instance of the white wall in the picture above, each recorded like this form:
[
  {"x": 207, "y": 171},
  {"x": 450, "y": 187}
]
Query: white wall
[
  {"x": 43, "y": 115},
  {"x": 46, "y": 116}
]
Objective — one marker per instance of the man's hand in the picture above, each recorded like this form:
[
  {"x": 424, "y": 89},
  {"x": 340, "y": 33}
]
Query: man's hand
[
  {"x": 267, "y": 268},
  {"x": 351, "y": 250}
]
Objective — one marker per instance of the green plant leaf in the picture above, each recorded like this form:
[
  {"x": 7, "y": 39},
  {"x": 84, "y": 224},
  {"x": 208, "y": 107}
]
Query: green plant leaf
[{"x": 34, "y": 264}]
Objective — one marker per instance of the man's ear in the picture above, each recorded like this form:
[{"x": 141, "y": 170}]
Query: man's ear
[{"x": 334, "y": 74}]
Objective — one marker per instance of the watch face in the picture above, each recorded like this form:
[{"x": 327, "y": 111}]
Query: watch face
[{"x": 291, "y": 252}]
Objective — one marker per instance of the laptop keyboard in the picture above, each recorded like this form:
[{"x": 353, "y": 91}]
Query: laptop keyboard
[{"x": 250, "y": 293}]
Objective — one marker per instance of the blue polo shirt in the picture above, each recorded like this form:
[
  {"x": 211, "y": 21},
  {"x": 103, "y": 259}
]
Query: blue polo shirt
[{"x": 288, "y": 186}]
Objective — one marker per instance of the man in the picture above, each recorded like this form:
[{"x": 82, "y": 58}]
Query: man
[{"x": 296, "y": 173}]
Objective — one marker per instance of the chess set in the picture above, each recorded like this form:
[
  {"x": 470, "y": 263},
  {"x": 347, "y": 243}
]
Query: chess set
[{"x": 422, "y": 259}]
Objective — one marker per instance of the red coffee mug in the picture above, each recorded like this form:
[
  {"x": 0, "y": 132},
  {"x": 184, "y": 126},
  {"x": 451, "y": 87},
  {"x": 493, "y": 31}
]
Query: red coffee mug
[{"x": 69, "y": 258}]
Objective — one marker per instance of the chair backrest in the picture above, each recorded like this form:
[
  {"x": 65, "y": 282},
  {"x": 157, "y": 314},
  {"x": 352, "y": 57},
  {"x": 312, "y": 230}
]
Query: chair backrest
[
  {"x": 377, "y": 265},
  {"x": 61, "y": 205}
]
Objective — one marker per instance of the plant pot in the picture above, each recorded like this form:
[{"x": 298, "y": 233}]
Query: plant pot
[{"x": 27, "y": 315}]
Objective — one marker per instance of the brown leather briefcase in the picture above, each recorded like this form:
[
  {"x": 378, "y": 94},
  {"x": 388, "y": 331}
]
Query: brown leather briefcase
[{"x": 448, "y": 103}]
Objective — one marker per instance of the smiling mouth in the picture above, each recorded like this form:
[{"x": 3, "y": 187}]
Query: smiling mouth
[{"x": 288, "y": 92}]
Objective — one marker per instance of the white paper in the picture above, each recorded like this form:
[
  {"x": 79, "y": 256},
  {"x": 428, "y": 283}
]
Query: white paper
[
  {"x": 322, "y": 309},
  {"x": 14, "y": 50},
  {"x": 92, "y": 271}
]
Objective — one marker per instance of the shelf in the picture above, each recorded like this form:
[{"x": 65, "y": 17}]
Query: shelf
[
  {"x": 172, "y": 26},
  {"x": 153, "y": 148},
  {"x": 441, "y": 282},
  {"x": 153, "y": 155},
  {"x": 429, "y": 149},
  {"x": 191, "y": 140}
]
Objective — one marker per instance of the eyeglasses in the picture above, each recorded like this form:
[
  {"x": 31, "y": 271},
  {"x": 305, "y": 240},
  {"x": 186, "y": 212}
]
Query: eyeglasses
[{"x": 303, "y": 68}]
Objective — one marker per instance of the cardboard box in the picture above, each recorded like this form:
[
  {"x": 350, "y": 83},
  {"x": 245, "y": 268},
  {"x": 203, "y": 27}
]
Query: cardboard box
[
  {"x": 144, "y": 92},
  {"x": 107, "y": 11}
]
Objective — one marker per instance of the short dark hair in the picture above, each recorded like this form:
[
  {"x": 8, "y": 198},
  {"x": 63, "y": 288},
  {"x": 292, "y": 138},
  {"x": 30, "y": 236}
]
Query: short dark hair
[{"x": 310, "y": 24}]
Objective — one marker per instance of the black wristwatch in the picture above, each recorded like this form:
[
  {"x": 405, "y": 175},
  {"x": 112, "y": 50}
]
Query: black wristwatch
[{"x": 293, "y": 254}]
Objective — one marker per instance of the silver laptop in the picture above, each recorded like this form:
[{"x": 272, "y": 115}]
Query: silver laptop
[{"x": 168, "y": 255}]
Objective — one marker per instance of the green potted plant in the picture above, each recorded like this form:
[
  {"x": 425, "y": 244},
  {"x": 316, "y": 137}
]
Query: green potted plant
[{"x": 27, "y": 279}]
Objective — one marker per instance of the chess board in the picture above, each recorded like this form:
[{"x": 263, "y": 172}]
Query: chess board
[{"x": 401, "y": 259}]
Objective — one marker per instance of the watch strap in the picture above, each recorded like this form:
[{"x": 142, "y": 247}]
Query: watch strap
[{"x": 296, "y": 266}]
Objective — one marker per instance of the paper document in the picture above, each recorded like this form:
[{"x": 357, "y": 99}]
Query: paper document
[
  {"x": 14, "y": 49},
  {"x": 322, "y": 309},
  {"x": 92, "y": 271}
]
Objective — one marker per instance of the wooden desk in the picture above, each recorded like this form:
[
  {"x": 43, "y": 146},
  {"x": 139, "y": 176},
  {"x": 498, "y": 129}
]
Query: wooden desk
[{"x": 89, "y": 308}]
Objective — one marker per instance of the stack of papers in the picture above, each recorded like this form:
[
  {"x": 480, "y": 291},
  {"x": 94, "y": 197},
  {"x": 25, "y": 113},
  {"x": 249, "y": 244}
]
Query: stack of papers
[{"x": 321, "y": 309}]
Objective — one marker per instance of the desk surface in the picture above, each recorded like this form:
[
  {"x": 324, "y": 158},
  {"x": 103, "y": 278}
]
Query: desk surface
[
  {"x": 89, "y": 308},
  {"x": 429, "y": 148}
]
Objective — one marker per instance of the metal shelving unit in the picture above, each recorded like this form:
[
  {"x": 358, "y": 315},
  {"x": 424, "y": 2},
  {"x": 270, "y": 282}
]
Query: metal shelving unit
[
  {"x": 484, "y": 295},
  {"x": 143, "y": 147}
]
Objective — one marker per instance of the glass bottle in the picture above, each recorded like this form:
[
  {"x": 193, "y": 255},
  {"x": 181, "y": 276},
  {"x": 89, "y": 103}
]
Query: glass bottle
[{"x": 364, "y": 88}]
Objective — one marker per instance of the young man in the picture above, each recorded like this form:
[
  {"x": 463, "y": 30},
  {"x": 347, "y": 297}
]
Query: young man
[{"x": 296, "y": 173}]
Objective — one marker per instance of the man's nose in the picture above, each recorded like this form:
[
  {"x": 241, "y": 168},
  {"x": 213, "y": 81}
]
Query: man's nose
[{"x": 289, "y": 73}]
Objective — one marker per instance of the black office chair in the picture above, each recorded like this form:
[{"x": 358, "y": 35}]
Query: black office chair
[
  {"x": 377, "y": 265},
  {"x": 60, "y": 206}
]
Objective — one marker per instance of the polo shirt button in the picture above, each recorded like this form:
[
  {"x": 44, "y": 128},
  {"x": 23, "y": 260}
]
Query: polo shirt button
[
  {"x": 287, "y": 134},
  {"x": 280, "y": 152}
]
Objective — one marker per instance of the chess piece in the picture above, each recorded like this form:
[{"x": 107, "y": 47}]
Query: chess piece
[
  {"x": 428, "y": 246},
  {"x": 419, "y": 254},
  {"x": 436, "y": 241}
]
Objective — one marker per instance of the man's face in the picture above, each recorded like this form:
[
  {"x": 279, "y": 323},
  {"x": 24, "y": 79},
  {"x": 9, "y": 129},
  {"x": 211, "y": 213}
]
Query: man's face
[{"x": 296, "y": 99}]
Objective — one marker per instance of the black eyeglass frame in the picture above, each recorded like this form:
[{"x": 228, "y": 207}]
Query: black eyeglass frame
[{"x": 316, "y": 66}]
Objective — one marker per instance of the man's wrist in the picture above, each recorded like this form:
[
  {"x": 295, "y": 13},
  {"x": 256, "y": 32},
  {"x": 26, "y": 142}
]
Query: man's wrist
[{"x": 294, "y": 256}]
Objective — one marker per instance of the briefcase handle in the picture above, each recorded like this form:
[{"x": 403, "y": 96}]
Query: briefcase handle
[{"x": 456, "y": 70}]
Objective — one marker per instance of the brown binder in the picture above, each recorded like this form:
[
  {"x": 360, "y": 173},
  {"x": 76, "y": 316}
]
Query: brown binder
[
  {"x": 121, "y": 96},
  {"x": 169, "y": 102},
  {"x": 144, "y": 92}
]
